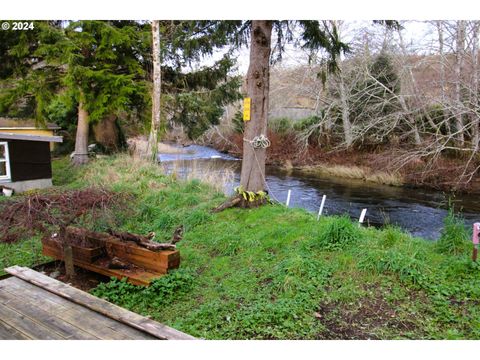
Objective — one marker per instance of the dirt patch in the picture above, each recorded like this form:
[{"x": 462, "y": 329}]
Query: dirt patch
[
  {"x": 84, "y": 279},
  {"x": 361, "y": 320}
]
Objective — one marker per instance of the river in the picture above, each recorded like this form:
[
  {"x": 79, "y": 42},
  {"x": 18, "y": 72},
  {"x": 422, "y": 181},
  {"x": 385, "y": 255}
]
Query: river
[{"x": 417, "y": 211}]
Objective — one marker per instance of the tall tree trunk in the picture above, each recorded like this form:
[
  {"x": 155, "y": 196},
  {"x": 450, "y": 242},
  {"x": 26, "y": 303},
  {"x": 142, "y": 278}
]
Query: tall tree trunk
[
  {"x": 411, "y": 90},
  {"x": 475, "y": 103},
  {"x": 459, "y": 50},
  {"x": 347, "y": 126},
  {"x": 443, "y": 79},
  {"x": 253, "y": 164},
  {"x": 81, "y": 140},
  {"x": 152, "y": 149}
]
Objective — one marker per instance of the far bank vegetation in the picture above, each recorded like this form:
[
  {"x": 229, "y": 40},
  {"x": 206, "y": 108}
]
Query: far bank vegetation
[{"x": 399, "y": 110}]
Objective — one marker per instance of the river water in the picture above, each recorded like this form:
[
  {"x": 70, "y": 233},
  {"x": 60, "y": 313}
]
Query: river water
[{"x": 417, "y": 211}]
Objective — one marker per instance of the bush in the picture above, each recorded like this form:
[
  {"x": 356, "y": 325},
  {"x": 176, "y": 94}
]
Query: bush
[
  {"x": 338, "y": 232},
  {"x": 281, "y": 125},
  {"x": 392, "y": 235},
  {"x": 454, "y": 235}
]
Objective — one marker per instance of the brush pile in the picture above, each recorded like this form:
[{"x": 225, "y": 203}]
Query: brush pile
[{"x": 43, "y": 212}]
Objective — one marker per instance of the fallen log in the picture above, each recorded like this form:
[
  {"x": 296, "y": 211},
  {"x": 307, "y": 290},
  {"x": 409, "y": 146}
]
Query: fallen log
[
  {"x": 229, "y": 203},
  {"x": 142, "y": 241}
]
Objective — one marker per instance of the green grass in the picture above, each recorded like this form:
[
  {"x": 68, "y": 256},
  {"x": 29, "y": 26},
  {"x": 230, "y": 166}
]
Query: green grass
[{"x": 277, "y": 273}]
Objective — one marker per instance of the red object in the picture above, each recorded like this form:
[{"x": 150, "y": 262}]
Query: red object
[
  {"x": 475, "y": 240},
  {"x": 476, "y": 233}
]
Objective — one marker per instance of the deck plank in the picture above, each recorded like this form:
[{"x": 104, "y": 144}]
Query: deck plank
[
  {"x": 9, "y": 333},
  {"x": 98, "y": 305},
  {"x": 102, "y": 328},
  {"x": 53, "y": 322},
  {"x": 24, "y": 324},
  {"x": 46, "y": 300}
]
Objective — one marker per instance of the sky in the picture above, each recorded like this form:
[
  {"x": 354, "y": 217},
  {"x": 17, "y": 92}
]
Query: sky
[{"x": 417, "y": 35}]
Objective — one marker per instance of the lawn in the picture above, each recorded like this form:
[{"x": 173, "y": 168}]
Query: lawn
[{"x": 277, "y": 273}]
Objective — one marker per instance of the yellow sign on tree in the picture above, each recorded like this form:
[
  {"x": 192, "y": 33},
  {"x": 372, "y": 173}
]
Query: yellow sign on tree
[{"x": 246, "y": 109}]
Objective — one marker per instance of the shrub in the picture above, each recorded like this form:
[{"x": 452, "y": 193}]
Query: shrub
[
  {"x": 338, "y": 232},
  {"x": 280, "y": 125},
  {"x": 454, "y": 235},
  {"x": 392, "y": 235}
]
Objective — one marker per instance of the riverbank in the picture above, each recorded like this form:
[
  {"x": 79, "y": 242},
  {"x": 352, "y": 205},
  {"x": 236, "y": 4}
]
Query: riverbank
[
  {"x": 380, "y": 165},
  {"x": 277, "y": 273}
]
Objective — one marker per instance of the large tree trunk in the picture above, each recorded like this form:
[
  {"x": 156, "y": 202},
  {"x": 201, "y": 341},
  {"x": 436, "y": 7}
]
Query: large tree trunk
[
  {"x": 253, "y": 163},
  {"x": 152, "y": 148},
  {"x": 107, "y": 133},
  {"x": 81, "y": 140}
]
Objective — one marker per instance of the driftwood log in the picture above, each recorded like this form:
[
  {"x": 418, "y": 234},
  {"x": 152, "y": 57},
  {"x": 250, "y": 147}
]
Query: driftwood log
[
  {"x": 142, "y": 241},
  {"x": 229, "y": 203},
  {"x": 177, "y": 235}
]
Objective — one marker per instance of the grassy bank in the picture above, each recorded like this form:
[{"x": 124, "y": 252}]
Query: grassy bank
[
  {"x": 354, "y": 172},
  {"x": 277, "y": 273}
]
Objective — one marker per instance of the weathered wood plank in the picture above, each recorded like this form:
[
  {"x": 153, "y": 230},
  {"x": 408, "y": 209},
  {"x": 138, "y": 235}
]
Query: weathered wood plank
[
  {"x": 138, "y": 255},
  {"x": 144, "y": 277},
  {"x": 54, "y": 323},
  {"x": 26, "y": 325},
  {"x": 58, "y": 306},
  {"x": 94, "y": 324},
  {"x": 101, "y": 306},
  {"x": 45, "y": 300},
  {"x": 9, "y": 333}
]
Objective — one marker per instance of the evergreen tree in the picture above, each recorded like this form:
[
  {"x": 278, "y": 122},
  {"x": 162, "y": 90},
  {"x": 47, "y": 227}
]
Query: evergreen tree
[{"x": 98, "y": 68}]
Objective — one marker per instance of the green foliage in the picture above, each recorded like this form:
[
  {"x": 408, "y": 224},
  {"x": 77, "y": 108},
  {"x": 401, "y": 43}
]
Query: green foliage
[
  {"x": 281, "y": 125},
  {"x": 276, "y": 273},
  {"x": 407, "y": 266},
  {"x": 338, "y": 232},
  {"x": 107, "y": 66},
  {"x": 454, "y": 236},
  {"x": 392, "y": 236},
  {"x": 161, "y": 292},
  {"x": 237, "y": 121},
  {"x": 27, "y": 252}
]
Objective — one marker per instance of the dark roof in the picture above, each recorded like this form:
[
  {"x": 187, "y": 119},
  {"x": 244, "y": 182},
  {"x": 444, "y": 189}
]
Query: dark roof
[
  {"x": 29, "y": 137},
  {"x": 11, "y": 123}
]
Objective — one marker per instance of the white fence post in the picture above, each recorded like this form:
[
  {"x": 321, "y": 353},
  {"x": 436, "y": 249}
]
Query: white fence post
[
  {"x": 288, "y": 198},
  {"x": 324, "y": 197},
  {"x": 362, "y": 216}
]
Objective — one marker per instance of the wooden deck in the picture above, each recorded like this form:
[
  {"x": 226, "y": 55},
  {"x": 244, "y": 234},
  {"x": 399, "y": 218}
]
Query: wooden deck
[{"x": 35, "y": 306}]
